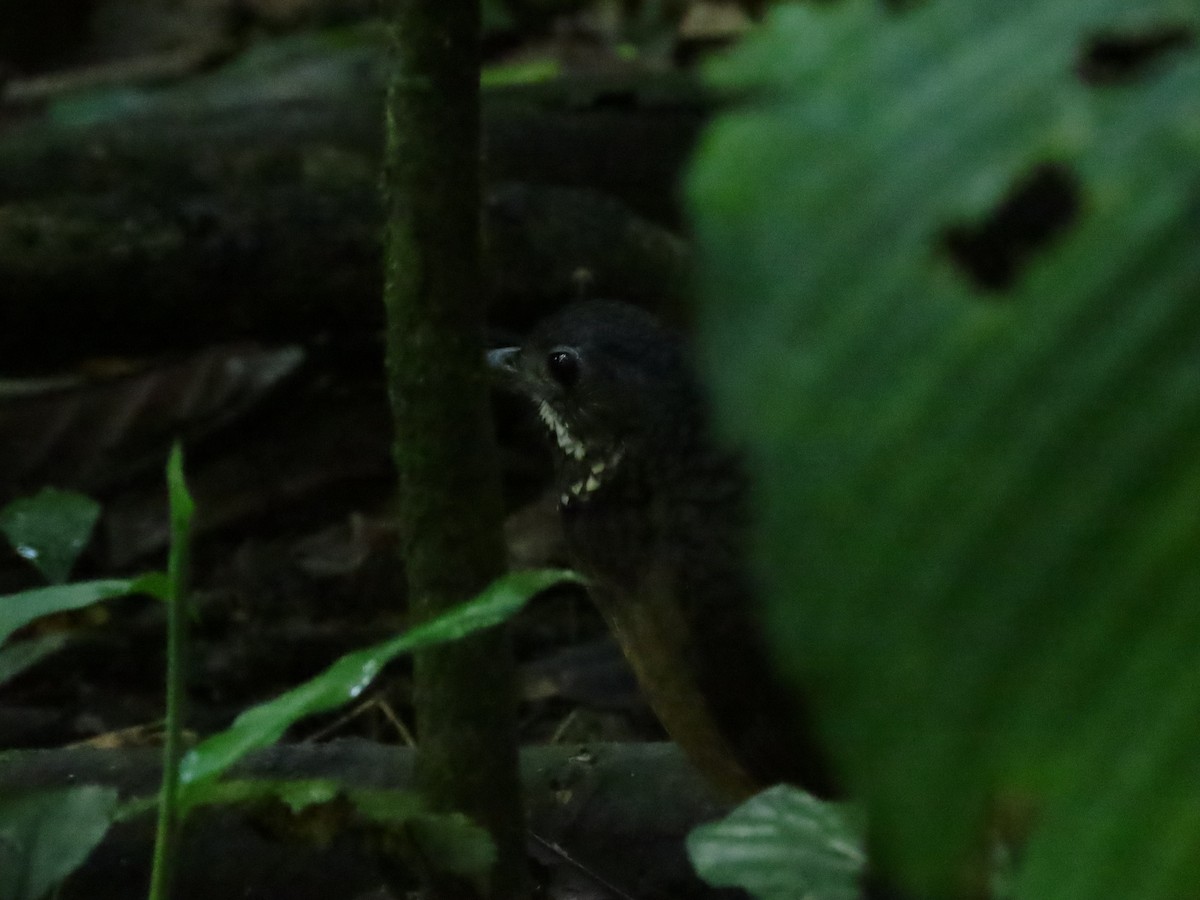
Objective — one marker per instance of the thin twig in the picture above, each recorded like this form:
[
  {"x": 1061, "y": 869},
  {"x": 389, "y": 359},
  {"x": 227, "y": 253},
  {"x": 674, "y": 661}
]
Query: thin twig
[{"x": 579, "y": 867}]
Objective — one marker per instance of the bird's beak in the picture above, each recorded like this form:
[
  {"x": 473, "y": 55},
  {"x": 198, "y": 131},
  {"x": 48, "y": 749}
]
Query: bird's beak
[{"x": 503, "y": 361}]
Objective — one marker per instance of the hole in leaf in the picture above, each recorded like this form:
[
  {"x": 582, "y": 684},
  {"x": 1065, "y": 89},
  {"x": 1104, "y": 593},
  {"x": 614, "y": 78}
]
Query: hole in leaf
[
  {"x": 615, "y": 99},
  {"x": 1113, "y": 58},
  {"x": 1036, "y": 211}
]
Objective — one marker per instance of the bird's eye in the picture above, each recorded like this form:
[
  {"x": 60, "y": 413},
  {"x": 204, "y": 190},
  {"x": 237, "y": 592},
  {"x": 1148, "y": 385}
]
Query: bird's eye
[{"x": 563, "y": 366}]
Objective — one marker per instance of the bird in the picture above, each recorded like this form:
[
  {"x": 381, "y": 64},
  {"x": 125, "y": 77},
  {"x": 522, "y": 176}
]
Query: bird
[{"x": 656, "y": 514}]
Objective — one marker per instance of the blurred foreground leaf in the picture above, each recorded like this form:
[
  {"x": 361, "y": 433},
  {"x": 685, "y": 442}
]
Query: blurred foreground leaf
[
  {"x": 44, "y": 836},
  {"x": 952, "y": 307}
]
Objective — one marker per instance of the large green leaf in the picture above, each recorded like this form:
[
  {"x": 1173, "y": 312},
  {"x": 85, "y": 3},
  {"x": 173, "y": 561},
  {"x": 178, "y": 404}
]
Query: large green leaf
[
  {"x": 952, "y": 307},
  {"x": 351, "y": 675},
  {"x": 46, "y": 835}
]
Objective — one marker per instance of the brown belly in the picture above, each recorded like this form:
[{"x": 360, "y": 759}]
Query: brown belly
[
  {"x": 668, "y": 580},
  {"x": 655, "y": 639}
]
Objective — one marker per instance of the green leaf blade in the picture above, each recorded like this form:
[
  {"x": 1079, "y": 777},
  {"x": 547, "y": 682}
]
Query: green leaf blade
[
  {"x": 18, "y": 610},
  {"x": 50, "y": 529},
  {"x": 352, "y": 674}
]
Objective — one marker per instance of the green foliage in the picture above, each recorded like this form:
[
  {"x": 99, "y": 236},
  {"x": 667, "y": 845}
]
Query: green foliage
[
  {"x": 50, "y": 529},
  {"x": 296, "y": 795},
  {"x": 448, "y": 840},
  {"x": 20, "y": 655},
  {"x": 978, "y": 473},
  {"x": 18, "y": 610},
  {"x": 531, "y": 72},
  {"x": 451, "y": 841},
  {"x": 181, "y": 509},
  {"x": 347, "y": 678},
  {"x": 779, "y": 845},
  {"x": 46, "y": 835}
]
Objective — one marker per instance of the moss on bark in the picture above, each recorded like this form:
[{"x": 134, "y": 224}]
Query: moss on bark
[{"x": 449, "y": 486}]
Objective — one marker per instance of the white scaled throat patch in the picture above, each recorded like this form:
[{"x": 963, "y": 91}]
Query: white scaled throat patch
[
  {"x": 582, "y": 474},
  {"x": 562, "y": 434}
]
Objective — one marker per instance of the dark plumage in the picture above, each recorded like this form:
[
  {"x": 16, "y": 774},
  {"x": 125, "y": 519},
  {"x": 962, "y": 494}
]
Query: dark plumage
[{"x": 655, "y": 515}]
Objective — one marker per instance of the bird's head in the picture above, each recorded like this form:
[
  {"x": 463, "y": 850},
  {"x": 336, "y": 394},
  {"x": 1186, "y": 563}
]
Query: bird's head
[{"x": 608, "y": 381}]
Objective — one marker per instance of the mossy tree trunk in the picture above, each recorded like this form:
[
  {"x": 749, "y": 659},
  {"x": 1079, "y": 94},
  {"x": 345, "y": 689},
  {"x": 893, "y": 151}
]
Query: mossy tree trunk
[{"x": 450, "y": 508}]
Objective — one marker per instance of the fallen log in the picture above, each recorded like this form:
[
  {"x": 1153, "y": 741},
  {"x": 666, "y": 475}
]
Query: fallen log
[{"x": 243, "y": 202}]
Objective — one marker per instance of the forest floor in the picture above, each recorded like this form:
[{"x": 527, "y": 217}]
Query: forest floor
[{"x": 288, "y": 445}]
